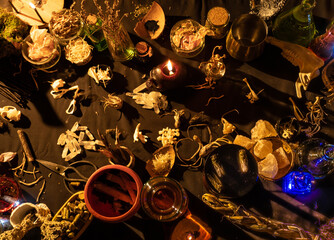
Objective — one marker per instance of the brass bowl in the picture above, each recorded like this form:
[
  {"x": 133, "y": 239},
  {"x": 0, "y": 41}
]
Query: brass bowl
[
  {"x": 277, "y": 143},
  {"x": 166, "y": 152}
]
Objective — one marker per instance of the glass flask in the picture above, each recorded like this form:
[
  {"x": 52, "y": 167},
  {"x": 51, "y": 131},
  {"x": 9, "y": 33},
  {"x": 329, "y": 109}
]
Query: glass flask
[
  {"x": 323, "y": 45},
  {"x": 316, "y": 156},
  {"x": 296, "y": 25}
]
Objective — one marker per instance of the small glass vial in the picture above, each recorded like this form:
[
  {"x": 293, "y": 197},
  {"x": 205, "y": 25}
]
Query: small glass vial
[{"x": 217, "y": 21}]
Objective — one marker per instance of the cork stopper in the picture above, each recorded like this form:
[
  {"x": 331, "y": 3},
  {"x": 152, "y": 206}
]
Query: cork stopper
[
  {"x": 91, "y": 19},
  {"x": 218, "y": 16}
]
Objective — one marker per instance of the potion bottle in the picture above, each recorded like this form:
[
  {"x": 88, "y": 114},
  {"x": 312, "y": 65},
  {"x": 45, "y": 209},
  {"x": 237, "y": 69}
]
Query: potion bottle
[
  {"x": 296, "y": 25},
  {"x": 94, "y": 32},
  {"x": 316, "y": 156},
  {"x": 323, "y": 45}
]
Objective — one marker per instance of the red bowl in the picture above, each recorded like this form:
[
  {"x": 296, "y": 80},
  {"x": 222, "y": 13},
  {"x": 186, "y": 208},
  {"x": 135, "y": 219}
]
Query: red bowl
[
  {"x": 9, "y": 194},
  {"x": 112, "y": 193}
]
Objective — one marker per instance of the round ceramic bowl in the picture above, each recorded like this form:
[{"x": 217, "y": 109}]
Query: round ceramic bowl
[
  {"x": 9, "y": 194},
  {"x": 49, "y": 62},
  {"x": 112, "y": 193},
  {"x": 75, "y": 31},
  {"x": 164, "y": 199},
  {"x": 186, "y": 38}
]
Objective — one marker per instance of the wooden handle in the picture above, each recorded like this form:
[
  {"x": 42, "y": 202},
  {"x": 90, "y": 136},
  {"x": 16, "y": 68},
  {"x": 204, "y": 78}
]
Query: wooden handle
[{"x": 25, "y": 145}]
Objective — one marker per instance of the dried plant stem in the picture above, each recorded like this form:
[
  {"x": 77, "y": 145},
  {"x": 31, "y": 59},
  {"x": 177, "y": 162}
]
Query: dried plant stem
[
  {"x": 41, "y": 191},
  {"x": 31, "y": 183}
]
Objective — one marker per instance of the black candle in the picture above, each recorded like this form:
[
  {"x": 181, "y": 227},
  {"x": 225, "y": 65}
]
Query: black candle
[{"x": 35, "y": 9}]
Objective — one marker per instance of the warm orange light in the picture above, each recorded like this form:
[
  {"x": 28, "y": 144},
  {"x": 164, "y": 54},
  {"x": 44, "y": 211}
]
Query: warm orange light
[
  {"x": 170, "y": 67},
  {"x": 32, "y": 5}
]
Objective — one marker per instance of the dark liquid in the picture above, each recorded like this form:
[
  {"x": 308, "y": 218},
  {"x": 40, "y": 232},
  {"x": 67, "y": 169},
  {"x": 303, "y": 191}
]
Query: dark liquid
[{"x": 163, "y": 199}]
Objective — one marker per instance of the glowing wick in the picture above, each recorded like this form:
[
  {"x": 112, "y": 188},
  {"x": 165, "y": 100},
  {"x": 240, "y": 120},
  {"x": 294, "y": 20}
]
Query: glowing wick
[
  {"x": 35, "y": 9},
  {"x": 170, "y": 68}
]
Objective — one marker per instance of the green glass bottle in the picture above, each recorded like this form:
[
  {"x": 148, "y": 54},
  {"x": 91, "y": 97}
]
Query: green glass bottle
[
  {"x": 94, "y": 32},
  {"x": 296, "y": 25}
]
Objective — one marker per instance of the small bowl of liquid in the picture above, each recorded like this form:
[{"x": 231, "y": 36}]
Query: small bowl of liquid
[{"x": 164, "y": 199}]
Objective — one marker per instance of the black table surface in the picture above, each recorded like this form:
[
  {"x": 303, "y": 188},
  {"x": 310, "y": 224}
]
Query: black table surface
[{"x": 44, "y": 119}]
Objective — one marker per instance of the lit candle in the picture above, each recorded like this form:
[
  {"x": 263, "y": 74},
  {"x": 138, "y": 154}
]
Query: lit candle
[
  {"x": 35, "y": 9},
  {"x": 167, "y": 75},
  {"x": 170, "y": 67}
]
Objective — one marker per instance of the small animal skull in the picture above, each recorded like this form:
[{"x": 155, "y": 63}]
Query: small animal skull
[{"x": 10, "y": 113}]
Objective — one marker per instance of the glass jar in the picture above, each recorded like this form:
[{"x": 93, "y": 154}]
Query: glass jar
[
  {"x": 316, "y": 156},
  {"x": 217, "y": 21},
  {"x": 187, "y": 38},
  {"x": 66, "y": 25},
  {"x": 119, "y": 43},
  {"x": 47, "y": 63}
]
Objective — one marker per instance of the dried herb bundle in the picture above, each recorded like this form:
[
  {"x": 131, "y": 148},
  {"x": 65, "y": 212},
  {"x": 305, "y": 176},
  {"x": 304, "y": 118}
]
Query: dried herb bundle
[{"x": 244, "y": 218}]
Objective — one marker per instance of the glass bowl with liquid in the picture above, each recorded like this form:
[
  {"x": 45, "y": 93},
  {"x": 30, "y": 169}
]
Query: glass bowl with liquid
[{"x": 164, "y": 199}]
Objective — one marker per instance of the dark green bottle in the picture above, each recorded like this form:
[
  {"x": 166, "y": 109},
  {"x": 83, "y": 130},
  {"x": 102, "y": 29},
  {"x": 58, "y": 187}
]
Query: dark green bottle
[{"x": 296, "y": 25}]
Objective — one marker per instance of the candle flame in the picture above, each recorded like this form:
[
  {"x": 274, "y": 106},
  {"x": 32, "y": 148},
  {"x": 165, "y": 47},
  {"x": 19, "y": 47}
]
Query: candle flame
[
  {"x": 170, "y": 67},
  {"x": 32, "y": 5}
]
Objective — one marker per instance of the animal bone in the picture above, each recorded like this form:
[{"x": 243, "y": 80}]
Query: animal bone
[
  {"x": 252, "y": 96},
  {"x": 138, "y": 135},
  {"x": 302, "y": 57},
  {"x": 10, "y": 113}
]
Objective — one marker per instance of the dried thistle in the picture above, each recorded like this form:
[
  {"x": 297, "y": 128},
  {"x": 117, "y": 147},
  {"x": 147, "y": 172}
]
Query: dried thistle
[{"x": 112, "y": 101}]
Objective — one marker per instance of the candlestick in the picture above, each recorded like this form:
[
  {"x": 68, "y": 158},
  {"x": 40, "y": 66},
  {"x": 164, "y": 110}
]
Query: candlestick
[
  {"x": 11, "y": 4},
  {"x": 35, "y": 9}
]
